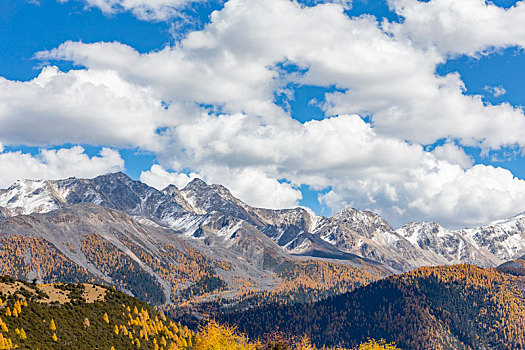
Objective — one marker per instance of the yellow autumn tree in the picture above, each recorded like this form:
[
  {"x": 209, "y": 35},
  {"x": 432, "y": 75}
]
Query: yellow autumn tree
[
  {"x": 23, "y": 334},
  {"x": 52, "y": 325},
  {"x": 372, "y": 344},
  {"x": 219, "y": 337}
]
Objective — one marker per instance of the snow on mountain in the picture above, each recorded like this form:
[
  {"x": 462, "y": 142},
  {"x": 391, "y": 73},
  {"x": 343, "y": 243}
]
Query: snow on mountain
[
  {"x": 453, "y": 246},
  {"x": 212, "y": 215},
  {"x": 368, "y": 235},
  {"x": 504, "y": 239},
  {"x": 26, "y": 197},
  {"x": 178, "y": 197}
]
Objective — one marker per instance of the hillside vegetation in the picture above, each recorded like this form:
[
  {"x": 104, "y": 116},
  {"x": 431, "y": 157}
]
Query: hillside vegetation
[
  {"x": 449, "y": 307},
  {"x": 89, "y": 243},
  {"x": 82, "y": 316},
  {"x": 87, "y": 316},
  {"x": 300, "y": 282},
  {"x": 195, "y": 280}
]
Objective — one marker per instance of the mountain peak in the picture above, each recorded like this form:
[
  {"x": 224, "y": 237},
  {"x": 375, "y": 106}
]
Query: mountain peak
[
  {"x": 170, "y": 188},
  {"x": 196, "y": 183},
  {"x": 119, "y": 175},
  {"x": 355, "y": 214}
]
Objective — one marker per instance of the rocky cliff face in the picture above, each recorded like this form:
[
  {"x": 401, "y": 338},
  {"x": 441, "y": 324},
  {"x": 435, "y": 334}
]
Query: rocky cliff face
[
  {"x": 486, "y": 246},
  {"x": 4, "y": 213},
  {"x": 209, "y": 215}
]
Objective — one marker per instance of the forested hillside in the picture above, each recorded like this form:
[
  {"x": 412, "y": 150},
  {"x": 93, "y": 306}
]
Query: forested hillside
[
  {"x": 456, "y": 307},
  {"x": 82, "y": 316},
  {"x": 300, "y": 282},
  {"x": 90, "y": 243},
  {"x": 87, "y": 316}
]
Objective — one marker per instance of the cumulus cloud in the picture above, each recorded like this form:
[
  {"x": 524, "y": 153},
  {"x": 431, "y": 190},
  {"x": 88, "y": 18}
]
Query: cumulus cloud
[
  {"x": 459, "y": 27},
  {"x": 57, "y": 164},
  {"x": 81, "y": 106},
  {"x": 159, "y": 178},
  {"x": 436, "y": 191},
  {"x": 252, "y": 185},
  {"x": 249, "y": 144},
  {"x": 233, "y": 63},
  {"x": 347, "y": 4},
  {"x": 453, "y": 154},
  {"x": 365, "y": 170}
]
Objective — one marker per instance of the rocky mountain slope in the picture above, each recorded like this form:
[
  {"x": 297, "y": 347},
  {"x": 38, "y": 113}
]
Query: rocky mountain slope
[
  {"x": 202, "y": 250},
  {"x": 299, "y": 231},
  {"x": 117, "y": 231},
  {"x": 210, "y": 217},
  {"x": 489, "y": 245}
]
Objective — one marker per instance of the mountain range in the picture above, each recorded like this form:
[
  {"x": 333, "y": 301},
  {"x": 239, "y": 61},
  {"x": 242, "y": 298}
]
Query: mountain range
[{"x": 116, "y": 230}]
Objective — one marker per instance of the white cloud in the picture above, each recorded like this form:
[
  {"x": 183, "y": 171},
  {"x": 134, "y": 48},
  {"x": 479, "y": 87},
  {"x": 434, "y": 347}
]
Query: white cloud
[
  {"x": 436, "y": 191},
  {"x": 365, "y": 170},
  {"x": 459, "y": 27},
  {"x": 257, "y": 187},
  {"x": 347, "y": 4},
  {"x": 81, "y": 106},
  {"x": 57, "y": 164},
  {"x": 233, "y": 64},
  {"x": 148, "y": 10},
  {"x": 453, "y": 154},
  {"x": 252, "y": 185},
  {"x": 159, "y": 178},
  {"x": 496, "y": 91}
]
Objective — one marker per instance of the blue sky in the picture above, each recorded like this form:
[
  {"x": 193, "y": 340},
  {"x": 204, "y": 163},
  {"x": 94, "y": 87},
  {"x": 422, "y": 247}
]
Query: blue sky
[{"x": 268, "y": 86}]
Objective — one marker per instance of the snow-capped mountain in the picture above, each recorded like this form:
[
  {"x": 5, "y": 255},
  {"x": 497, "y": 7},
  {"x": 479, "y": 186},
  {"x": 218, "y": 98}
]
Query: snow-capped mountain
[
  {"x": 212, "y": 216},
  {"x": 366, "y": 234},
  {"x": 489, "y": 245},
  {"x": 146, "y": 204},
  {"x": 116, "y": 191}
]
